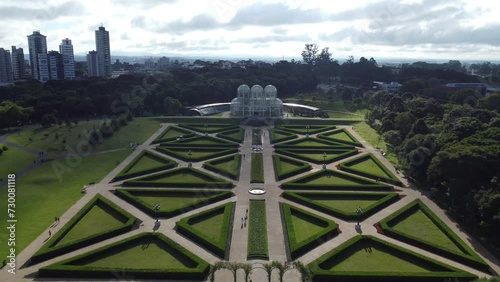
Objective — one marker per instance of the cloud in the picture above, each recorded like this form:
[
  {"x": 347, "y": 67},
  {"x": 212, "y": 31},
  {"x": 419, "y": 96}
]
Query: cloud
[
  {"x": 50, "y": 12},
  {"x": 274, "y": 38},
  {"x": 144, "y": 4}
]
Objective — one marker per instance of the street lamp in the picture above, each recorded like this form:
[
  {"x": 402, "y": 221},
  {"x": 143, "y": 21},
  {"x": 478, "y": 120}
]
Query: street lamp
[
  {"x": 324, "y": 160},
  {"x": 359, "y": 211},
  {"x": 206, "y": 132},
  {"x": 307, "y": 130},
  {"x": 189, "y": 154}
]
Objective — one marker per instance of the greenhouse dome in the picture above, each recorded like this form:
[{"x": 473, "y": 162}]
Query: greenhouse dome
[{"x": 257, "y": 101}]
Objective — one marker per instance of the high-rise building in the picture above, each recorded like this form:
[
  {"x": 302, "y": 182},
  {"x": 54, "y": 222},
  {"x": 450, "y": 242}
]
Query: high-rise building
[
  {"x": 103, "y": 52},
  {"x": 18, "y": 63},
  {"x": 5, "y": 67},
  {"x": 56, "y": 65},
  {"x": 37, "y": 44},
  {"x": 43, "y": 68},
  {"x": 92, "y": 64},
  {"x": 66, "y": 50}
]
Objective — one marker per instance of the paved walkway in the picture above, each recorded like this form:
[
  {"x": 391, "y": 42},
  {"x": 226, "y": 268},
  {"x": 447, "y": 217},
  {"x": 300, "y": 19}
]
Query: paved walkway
[{"x": 238, "y": 249}]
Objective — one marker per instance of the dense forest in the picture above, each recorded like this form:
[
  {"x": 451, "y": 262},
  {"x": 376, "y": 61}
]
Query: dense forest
[{"x": 447, "y": 142}]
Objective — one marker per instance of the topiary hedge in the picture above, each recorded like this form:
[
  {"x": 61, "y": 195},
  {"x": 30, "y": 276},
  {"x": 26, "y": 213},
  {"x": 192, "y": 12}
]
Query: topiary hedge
[
  {"x": 160, "y": 138},
  {"x": 168, "y": 164},
  {"x": 166, "y": 212},
  {"x": 322, "y": 144},
  {"x": 301, "y": 129},
  {"x": 301, "y": 167},
  {"x": 50, "y": 249},
  {"x": 181, "y": 153},
  {"x": 365, "y": 185},
  {"x": 386, "y": 200},
  {"x": 211, "y": 165},
  {"x": 218, "y": 248},
  {"x": 211, "y": 127},
  {"x": 68, "y": 268},
  {"x": 333, "y": 155},
  {"x": 354, "y": 141},
  {"x": 273, "y": 135},
  {"x": 391, "y": 178},
  {"x": 326, "y": 275},
  {"x": 257, "y": 230},
  {"x": 236, "y": 135},
  {"x": 296, "y": 248},
  {"x": 468, "y": 257},
  {"x": 257, "y": 168},
  {"x": 200, "y": 141}
]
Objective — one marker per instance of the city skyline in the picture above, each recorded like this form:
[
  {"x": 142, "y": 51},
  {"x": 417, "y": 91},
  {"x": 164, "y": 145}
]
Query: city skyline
[{"x": 410, "y": 29}]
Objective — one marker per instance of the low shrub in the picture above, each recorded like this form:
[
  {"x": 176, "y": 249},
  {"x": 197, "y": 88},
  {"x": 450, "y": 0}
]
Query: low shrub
[
  {"x": 232, "y": 172},
  {"x": 199, "y": 141},
  {"x": 236, "y": 135},
  {"x": 277, "y": 136},
  {"x": 124, "y": 174},
  {"x": 257, "y": 168},
  {"x": 181, "y": 152},
  {"x": 301, "y": 167},
  {"x": 391, "y": 178},
  {"x": 353, "y": 142},
  {"x": 257, "y": 230},
  {"x": 210, "y": 128},
  {"x": 333, "y": 155},
  {"x": 161, "y": 138}
]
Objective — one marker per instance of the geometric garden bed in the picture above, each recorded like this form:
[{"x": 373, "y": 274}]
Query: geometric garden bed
[
  {"x": 369, "y": 166},
  {"x": 417, "y": 225}
]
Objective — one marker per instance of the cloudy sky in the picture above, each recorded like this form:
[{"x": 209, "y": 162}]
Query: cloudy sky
[{"x": 411, "y": 29}]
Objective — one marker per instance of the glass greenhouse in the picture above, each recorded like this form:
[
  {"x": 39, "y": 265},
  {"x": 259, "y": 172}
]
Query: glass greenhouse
[{"x": 257, "y": 101}]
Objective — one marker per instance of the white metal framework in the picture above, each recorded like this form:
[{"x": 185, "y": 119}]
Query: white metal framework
[{"x": 257, "y": 102}]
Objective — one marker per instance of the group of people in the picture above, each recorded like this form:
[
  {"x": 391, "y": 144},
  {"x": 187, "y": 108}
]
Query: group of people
[{"x": 244, "y": 220}]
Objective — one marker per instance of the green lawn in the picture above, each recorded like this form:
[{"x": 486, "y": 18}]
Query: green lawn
[
  {"x": 230, "y": 165},
  {"x": 286, "y": 166},
  {"x": 343, "y": 115},
  {"x": 277, "y": 136},
  {"x": 341, "y": 136},
  {"x": 335, "y": 180},
  {"x": 237, "y": 135},
  {"x": 369, "y": 166},
  {"x": 257, "y": 169},
  {"x": 180, "y": 177},
  {"x": 146, "y": 162},
  {"x": 368, "y": 256},
  {"x": 211, "y": 226},
  {"x": 345, "y": 204},
  {"x": 304, "y": 227},
  {"x": 371, "y": 136},
  {"x": 172, "y": 132},
  {"x": 257, "y": 230},
  {"x": 137, "y": 130},
  {"x": 41, "y": 195},
  {"x": 97, "y": 220},
  {"x": 419, "y": 224},
  {"x": 172, "y": 201},
  {"x": 14, "y": 160},
  {"x": 148, "y": 254}
]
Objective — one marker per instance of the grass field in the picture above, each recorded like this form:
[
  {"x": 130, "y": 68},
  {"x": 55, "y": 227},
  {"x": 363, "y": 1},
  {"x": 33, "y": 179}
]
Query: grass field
[
  {"x": 341, "y": 136},
  {"x": 211, "y": 226},
  {"x": 369, "y": 166},
  {"x": 346, "y": 204},
  {"x": 41, "y": 196},
  {"x": 172, "y": 201},
  {"x": 371, "y": 136},
  {"x": 14, "y": 160},
  {"x": 97, "y": 220},
  {"x": 333, "y": 179},
  {"x": 137, "y": 130},
  {"x": 148, "y": 254},
  {"x": 257, "y": 169},
  {"x": 146, "y": 162},
  {"x": 418, "y": 223},
  {"x": 368, "y": 256},
  {"x": 304, "y": 227}
]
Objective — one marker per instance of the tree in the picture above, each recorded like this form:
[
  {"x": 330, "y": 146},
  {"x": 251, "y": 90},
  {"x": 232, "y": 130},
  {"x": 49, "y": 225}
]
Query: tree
[
  {"x": 233, "y": 267},
  {"x": 268, "y": 267},
  {"x": 491, "y": 102},
  {"x": 309, "y": 53},
  {"x": 306, "y": 274},
  {"x": 171, "y": 106},
  {"x": 420, "y": 127},
  {"x": 404, "y": 122},
  {"x": 247, "y": 268},
  {"x": 213, "y": 268},
  {"x": 48, "y": 120},
  {"x": 281, "y": 267},
  {"x": 414, "y": 86}
]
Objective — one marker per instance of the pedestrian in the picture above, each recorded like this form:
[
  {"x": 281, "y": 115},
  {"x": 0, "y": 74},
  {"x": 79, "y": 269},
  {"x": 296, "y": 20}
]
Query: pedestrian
[
  {"x": 58, "y": 220},
  {"x": 50, "y": 233},
  {"x": 243, "y": 156}
]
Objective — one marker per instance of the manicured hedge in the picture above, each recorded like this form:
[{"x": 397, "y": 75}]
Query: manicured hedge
[
  {"x": 346, "y": 166},
  {"x": 211, "y": 182},
  {"x": 49, "y": 250},
  {"x": 301, "y": 183},
  {"x": 325, "y": 144},
  {"x": 198, "y": 120},
  {"x": 229, "y": 135},
  {"x": 301, "y": 129},
  {"x": 274, "y": 139},
  {"x": 211, "y": 165},
  {"x": 218, "y": 248},
  {"x": 326, "y": 136},
  {"x": 257, "y": 168},
  {"x": 160, "y": 139},
  {"x": 168, "y": 164},
  {"x": 302, "y": 167},
  {"x": 257, "y": 230},
  {"x": 299, "y": 197},
  {"x": 302, "y": 154},
  {"x": 470, "y": 258},
  {"x": 328, "y": 275},
  {"x": 314, "y": 121},
  {"x": 199, "y": 127},
  {"x": 200, "y": 142},
  {"x": 181, "y": 152},
  {"x": 65, "y": 270},
  {"x": 127, "y": 195},
  {"x": 297, "y": 249}
]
